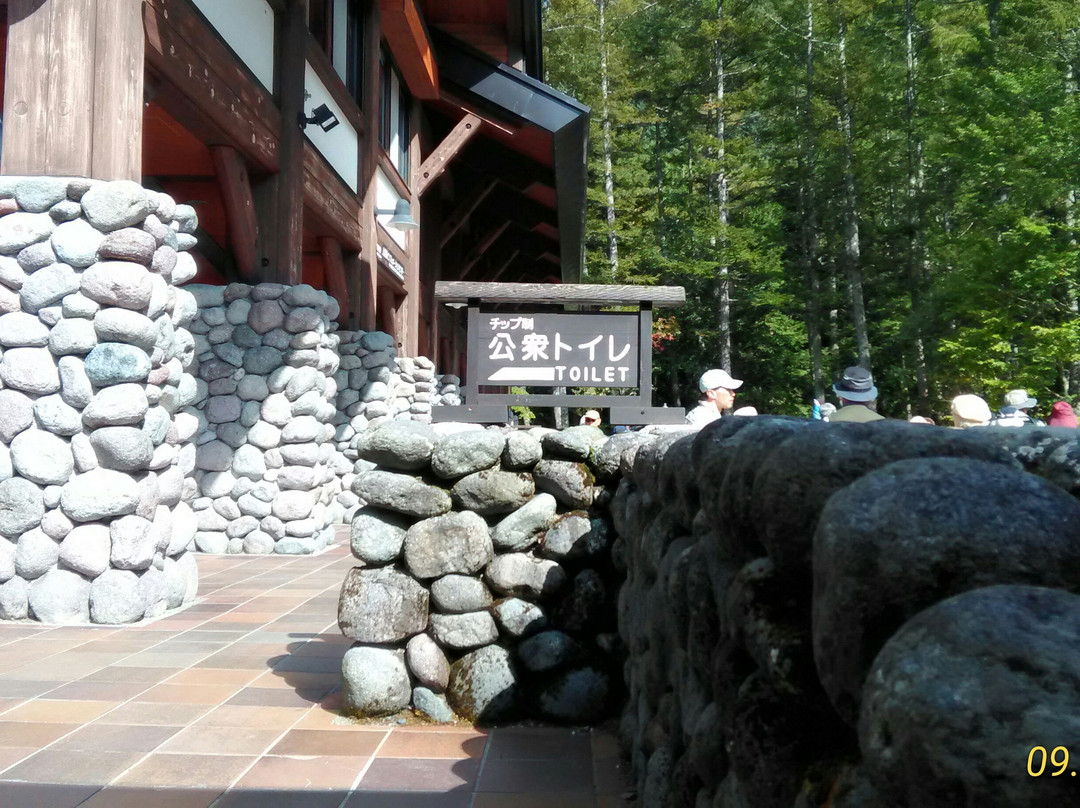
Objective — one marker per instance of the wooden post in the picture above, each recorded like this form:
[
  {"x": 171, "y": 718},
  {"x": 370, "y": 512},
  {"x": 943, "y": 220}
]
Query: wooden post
[
  {"x": 235, "y": 187},
  {"x": 413, "y": 304},
  {"x": 289, "y": 226},
  {"x": 388, "y": 307},
  {"x": 335, "y": 274},
  {"x": 369, "y": 268},
  {"x": 73, "y": 99}
]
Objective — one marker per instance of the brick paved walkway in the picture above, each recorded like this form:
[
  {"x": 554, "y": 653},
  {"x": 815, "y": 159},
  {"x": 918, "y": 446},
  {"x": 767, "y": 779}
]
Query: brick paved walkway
[{"x": 233, "y": 702}]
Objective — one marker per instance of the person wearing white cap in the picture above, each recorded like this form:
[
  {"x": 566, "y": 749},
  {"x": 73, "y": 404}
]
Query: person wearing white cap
[
  {"x": 969, "y": 410},
  {"x": 717, "y": 394},
  {"x": 1014, "y": 411},
  {"x": 590, "y": 418}
]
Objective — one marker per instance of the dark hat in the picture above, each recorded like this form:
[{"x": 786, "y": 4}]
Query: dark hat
[{"x": 855, "y": 384}]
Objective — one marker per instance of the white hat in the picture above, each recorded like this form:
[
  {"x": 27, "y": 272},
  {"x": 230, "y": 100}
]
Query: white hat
[
  {"x": 970, "y": 410},
  {"x": 746, "y": 411},
  {"x": 1019, "y": 400},
  {"x": 589, "y": 417},
  {"x": 716, "y": 378}
]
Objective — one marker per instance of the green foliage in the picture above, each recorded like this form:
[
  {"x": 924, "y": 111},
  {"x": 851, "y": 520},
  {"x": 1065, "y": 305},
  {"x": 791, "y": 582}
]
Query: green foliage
[{"x": 966, "y": 200}]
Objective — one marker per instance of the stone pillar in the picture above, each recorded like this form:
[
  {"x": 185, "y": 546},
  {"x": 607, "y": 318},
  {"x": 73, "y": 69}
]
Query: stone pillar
[
  {"x": 267, "y": 468},
  {"x": 94, "y": 371}
]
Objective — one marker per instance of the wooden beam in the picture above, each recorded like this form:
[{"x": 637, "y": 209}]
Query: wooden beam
[
  {"x": 438, "y": 160},
  {"x": 501, "y": 270},
  {"x": 388, "y": 309},
  {"x": 405, "y": 32},
  {"x": 235, "y": 186},
  {"x": 558, "y": 293},
  {"x": 367, "y": 276},
  {"x": 329, "y": 200},
  {"x": 481, "y": 247},
  {"x": 118, "y": 91},
  {"x": 464, "y": 210},
  {"x": 335, "y": 274},
  {"x": 26, "y": 88},
  {"x": 527, "y": 213},
  {"x": 513, "y": 168},
  {"x": 204, "y": 87},
  {"x": 290, "y": 180}
]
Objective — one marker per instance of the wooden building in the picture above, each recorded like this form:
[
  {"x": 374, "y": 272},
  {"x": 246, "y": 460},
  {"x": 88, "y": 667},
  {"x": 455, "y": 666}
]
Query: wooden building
[{"x": 297, "y": 128}]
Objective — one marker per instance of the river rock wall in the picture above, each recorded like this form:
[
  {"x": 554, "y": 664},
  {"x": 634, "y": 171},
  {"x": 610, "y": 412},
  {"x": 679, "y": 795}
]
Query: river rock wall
[
  {"x": 95, "y": 446},
  {"x": 872, "y": 615},
  {"x": 485, "y": 589},
  {"x": 267, "y": 466}
]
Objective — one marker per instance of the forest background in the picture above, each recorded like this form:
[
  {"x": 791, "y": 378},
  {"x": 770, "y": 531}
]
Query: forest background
[{"x": 894, "y": 184}]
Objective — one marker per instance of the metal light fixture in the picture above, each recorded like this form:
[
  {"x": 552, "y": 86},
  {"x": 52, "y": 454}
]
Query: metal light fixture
[
  {"x": 402, "y": 216},
  {"x": 321, "y": 116}
]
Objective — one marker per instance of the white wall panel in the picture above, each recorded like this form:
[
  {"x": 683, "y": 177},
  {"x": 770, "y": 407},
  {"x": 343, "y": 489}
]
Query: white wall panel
[
  {"x": 247, "y": 26},
  {"x": 341, "y": 145}
]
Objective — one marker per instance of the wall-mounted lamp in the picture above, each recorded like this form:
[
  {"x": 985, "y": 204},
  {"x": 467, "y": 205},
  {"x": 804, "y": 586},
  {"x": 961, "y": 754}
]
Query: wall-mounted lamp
[
  {"x": 321, "y": 116},
  {"x": 402, "y": 218}
]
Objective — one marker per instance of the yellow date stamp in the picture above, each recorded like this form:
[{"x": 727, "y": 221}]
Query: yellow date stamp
[{"x": 1058, "y": 758}]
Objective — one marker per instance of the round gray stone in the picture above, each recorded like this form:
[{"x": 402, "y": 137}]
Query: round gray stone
[
  {"x": 111, "y": 205},
  {"x": 290, "y": 505},
  {"x": 375, "y": 681},
  {"x": 38, "y": 194},
  {"x": 86, "y": 549},
  {"x": 21, "y": 330},
  {"x": 262, "y": 360},
  {"x": 403, "y": 445},
  {"x": 571, "y": 483},
  {"x": 524, "y": 527},
  {"x": 124, "y": 448},
  {"x": 401, "y": 493},
  {"x": 466, "y": 452},
  {"x": 265, "y": 316},
  {"x": 75, "y": 387},
  {"x": 18, "y": 230},
  {"x": 35, "y": 554},
  {"x": 115, "y": 363},
  {"x": 223, "y": 409},
  {"x": 16, "y": 414},
  {"x": 432, "y": 704},
  {"x": 381, "y": 606},
  {"x": 549, "y": 650},
  {"x": 457, "y": 594},
  {"x": 520, "y": 618},
  {"x": 48, "y": 286},
  {"x": 116, "y": 598},
  {"x": 114, "y": 324},
  {"x": 576, "y": 697},
  {"x": 42, "y": 457},
  {"x": 128, "y": 244},
  {"x": 119, "y": 405},
  {"x": 76, "y": 243},
  {"x": 117, "y": 283},
  {"x": 69, "y": 337},
  {"x": 483, "y": 686},
  {"x": 462, "y": 632},
  {"x": 99, "y": 494},
  {"x": 453, "y": 543},
  {"x": 493, "y": 492},
  {"x": 377, "y": 536},
  {"x": 573, "y": 443},
  {"x": 32, "y": 370},
  {"x": 522, "y": 574},
  {"x": 427, "y": 662},
  {"x": 60, "y": 597},
  {"x": 134, "y": 541},
  {"x": 21, "y": 506}
]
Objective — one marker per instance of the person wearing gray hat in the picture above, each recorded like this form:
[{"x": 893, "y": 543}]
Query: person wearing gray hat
[
  {"x": 1014, "y": 410},
  {"x": 857, "y": 393}
]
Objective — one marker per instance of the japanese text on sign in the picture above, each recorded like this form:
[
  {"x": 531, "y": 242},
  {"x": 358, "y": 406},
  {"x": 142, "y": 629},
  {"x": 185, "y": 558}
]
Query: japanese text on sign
[{"x": 559, "y": 349}]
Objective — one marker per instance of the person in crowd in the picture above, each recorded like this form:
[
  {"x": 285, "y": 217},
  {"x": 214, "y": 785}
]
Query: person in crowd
[
  {"x": 717, "y": 394},
  {"x": 1014, "y": 412},
  {"x": 920, "y": 419},
  {"x": 858, "y": 396},
  {"x": 590, "y": 418},
  {"x": 1062, "y": 414},
  {"x": 969, "y": 410},
  {"x": 746, "y": 411}
]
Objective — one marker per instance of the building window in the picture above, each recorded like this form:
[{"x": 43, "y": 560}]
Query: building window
[
  {"x": 394, "y": 130},
  {"x": 354, "y": 53},
  {"x": 321, "y": 23}
]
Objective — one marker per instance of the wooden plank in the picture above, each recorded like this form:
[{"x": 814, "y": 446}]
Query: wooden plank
[
  {"x": 212, "y": 86},
  {"x": 26, "y": 88},
  {"x": 412, "y": 304},
  {"x": 328, "y": 197},
  {"x": 324, "y": 69},
  {"x": 235, "y": 186},
  {"x": 464, "y": 210},
  {"x": 501, "y": 269},
  {"x": 367, "y": 280},
  {"x": 403, "y": 27},
  {"x": 559, "y": 293},
  {"x": 290, "y": 184},
  {"x": 70, "y": 62},
  {"x": 401, "y": 188},
  {"x": 440, "y": 158},
  {"x": 118, "y": 97},
  {"x": 388, "y": 309},
  {"x": 335, "y": 274}
]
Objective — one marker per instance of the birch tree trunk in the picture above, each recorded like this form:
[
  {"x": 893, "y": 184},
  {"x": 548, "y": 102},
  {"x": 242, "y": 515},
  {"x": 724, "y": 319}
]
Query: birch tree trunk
[
  {"x": 808, "y": 215},
  {"x": 852, "y": 257},
  {"x": 605, "y": 118},
  {"x": 723, "y": 213}
]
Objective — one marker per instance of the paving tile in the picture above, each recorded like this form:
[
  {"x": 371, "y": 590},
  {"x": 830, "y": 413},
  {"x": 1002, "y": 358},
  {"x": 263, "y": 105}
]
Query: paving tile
[
  {"x": 309, "y": 664},
  {"x": 278, "y": 696},
  {"x": 115, "y": 692},
  {"x": 22, "y": 689},
  {"x": 34, "y": 671},
  {"x": 213, "y": 676},
  {"x": 115, "y": 738},
  {"x": 419, "y": 774},
  {"x": 458, "y": 798},
  {"x": 264, "y": 717},
  {"x": 404, "y": 743},
  {"x": 132, "y": 675},
  {"x": 167, "y": 770},
  {"x": 582, "y": 799},
  {"x": 169, "y": 693},
  {"x": 278, "y": 798},
  {"x": 145, "y": 713},
  {"x": 515, "y": 776},
  {"x": 135, "y": 797},
  {"x": 9, "y": 756},
  {"x": 539, "y": 743},
  {"x": 85, "y": 768},
  {"x": 44, "y": 795},
  {"x": 59, "y": 712},
  {"x": 159, "y": 659},
  {"x": 24, "y": 733},
  {"x": 297, "y": 679},
  {"x": 211, "y": 740},
  {"x": 322, "y": 772},
  {"x": 300, "y": 742},
  {"x": 238, "y": 660}
]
